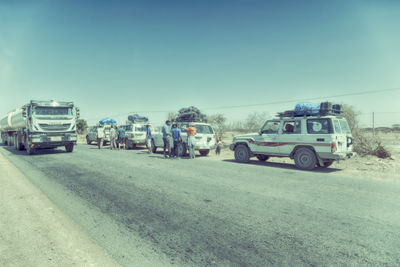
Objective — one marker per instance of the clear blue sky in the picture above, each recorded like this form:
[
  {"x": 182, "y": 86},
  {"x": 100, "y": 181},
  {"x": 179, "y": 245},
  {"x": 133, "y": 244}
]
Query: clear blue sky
[{"x": 114, "y": 57}]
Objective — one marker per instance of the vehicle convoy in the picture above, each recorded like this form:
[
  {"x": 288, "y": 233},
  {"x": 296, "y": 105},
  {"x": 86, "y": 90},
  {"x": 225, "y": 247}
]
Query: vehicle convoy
[
  {"x": 205, "y": 139},
  {"x": 41, "y": 124},
  {"x": 312, "y": 137}
]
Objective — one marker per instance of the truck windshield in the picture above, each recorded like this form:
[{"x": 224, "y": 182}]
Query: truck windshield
[{"x": 57, "y": 111}]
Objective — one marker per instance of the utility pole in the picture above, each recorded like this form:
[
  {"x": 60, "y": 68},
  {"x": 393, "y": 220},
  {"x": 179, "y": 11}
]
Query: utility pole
[{"x": 373, "y": 123}]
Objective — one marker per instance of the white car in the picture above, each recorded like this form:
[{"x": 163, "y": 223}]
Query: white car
[
  {"x": 204, "y": 140},
  {"x": 135, "y": 134},
  {"x": 310, "y": 140}
]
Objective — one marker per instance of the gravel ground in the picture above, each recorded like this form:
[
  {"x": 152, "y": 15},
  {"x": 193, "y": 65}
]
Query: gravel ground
[{"x": 206, "y": 212}]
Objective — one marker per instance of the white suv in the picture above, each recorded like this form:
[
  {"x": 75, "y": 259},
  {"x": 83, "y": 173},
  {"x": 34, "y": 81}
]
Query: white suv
[{"x": 310, "y": 140}]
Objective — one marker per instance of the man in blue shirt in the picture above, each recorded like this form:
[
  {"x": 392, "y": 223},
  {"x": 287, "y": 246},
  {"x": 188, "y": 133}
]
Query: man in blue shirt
[
  {"x": 176, "y": 135},
  {"x": 166, "y": 131}
]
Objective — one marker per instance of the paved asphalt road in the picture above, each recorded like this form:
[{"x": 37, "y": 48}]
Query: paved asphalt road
[{"x": 208, "y": 212}]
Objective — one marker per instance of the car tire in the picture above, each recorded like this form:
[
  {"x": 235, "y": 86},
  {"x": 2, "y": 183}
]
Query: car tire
[
  {"x": 305, "y": 159},
  {"x": 69, "y": 147},
  {"x": 242, "y": 154},
  {"x": 88, "y": 140},
  {"x": 262, "y": 157},
  {"x": 153, "y": 146},
  {"x": 204, "y": 153},
  {"x": 327, "y": 163}
]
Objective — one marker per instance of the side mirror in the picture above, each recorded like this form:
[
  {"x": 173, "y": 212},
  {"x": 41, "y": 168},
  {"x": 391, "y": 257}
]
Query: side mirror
[{"x": 260, "y": 132}]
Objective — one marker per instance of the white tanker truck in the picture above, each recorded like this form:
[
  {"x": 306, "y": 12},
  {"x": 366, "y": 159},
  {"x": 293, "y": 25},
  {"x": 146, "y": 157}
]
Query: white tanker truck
[{"x": 40, "y": 124}]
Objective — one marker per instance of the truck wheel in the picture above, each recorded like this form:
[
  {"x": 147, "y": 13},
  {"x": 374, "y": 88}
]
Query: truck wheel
[
  {"x": 88, "y": 140},
  {"x": 305, "y": 159},
  {"x": 204, "y": 152},
  {"x": 327, "y": 163},
  {"x": 153, "y": 146},
  {"x": 69, "y": 147},
  {"x": 262, "y": 157},
  {"x": 29, "y": 149},
  {"x": 242, "y": 154}
]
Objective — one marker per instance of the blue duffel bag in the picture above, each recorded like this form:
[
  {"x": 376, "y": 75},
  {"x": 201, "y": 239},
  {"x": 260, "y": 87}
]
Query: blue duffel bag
[{"x": 306, "y": 108}]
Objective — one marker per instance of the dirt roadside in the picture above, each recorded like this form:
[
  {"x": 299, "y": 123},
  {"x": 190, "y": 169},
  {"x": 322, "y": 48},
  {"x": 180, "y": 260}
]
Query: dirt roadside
[{"x": 34, "y": 232}]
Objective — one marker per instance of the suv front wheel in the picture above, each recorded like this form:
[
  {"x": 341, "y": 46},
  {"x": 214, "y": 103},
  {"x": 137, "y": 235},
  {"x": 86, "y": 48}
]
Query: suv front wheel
[
  {"x": 305, "y": 159},
  {"x": 242, "y": 154}
]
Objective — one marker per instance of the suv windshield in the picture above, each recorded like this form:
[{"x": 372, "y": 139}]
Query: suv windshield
[
  {"x": 270, "y": 127},
  {"x": 52, "y": 111}
]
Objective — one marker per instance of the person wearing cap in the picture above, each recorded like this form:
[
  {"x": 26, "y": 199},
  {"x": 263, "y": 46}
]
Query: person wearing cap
[
  {"x": 191, "y": 132},
  {"x": 176, "y": 135},
  {"x": 166, "y": 132},
  {"x": 148, "y": 138}
]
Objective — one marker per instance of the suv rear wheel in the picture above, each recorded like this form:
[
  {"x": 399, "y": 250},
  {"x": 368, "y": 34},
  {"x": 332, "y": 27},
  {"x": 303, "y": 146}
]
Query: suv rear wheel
[
  {"x": 242, "y": 153},
  {"x": 305, "y": 159},
  {"x": 327, "y": 163},
  {"x": 262, "y": 157},
  {"x": 204, "y": 152}
]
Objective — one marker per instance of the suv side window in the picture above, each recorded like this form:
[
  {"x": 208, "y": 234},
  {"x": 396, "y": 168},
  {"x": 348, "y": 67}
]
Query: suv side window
[
  {"x": 319, "y": 126},
  {"x": 270, "y": 127},
  {"x": 337, "y": 126},
  {"x": 291, "y": 127}
]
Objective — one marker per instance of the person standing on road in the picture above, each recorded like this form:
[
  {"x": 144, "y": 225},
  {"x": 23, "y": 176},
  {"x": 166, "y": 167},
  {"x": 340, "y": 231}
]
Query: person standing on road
[
  {"x": 176, "y": 135},
  {"x": 191, "y": 133},
  {"x": 100, "y": 136},
  {"x": 121, "y": 136},
  {"x": 166, "y": 131},
  {"x": 148, "y": 138},
  {"x": 113, "y": 138}
]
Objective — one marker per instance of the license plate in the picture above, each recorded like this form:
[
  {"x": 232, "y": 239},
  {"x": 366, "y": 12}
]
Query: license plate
[{"x": 56, "y": 138}]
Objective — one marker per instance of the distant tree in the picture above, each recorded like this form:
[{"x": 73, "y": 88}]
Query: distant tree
[
  {"x": 218, "y": 122},
  {"x": 351, "y": 116},
  {"x": 81, "y": 126},
  {"x": 396, "y": 126},
  {"x": 255, "y": 120},
  {"x": 172, "y": 116}
]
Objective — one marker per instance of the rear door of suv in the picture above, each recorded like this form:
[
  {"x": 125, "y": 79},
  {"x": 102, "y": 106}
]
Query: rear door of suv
[{"x": 342, "y": 135}]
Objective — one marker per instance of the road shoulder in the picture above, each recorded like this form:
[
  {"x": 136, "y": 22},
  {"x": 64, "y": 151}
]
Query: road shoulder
[{"x": 34, "y": 232}]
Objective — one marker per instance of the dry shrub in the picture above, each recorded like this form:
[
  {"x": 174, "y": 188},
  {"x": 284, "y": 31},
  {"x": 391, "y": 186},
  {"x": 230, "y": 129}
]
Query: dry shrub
[{"x": 369, "y": 145}]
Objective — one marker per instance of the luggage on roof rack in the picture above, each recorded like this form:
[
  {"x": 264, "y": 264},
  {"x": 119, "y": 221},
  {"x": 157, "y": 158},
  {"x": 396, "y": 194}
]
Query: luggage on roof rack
[
  {"x": 311, "y": 109},
  {"x": 136, "y": 118}
]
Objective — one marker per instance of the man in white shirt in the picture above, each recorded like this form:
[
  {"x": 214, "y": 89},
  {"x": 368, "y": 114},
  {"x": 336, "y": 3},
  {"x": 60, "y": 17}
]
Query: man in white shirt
[{"x": 100, "y": 136}]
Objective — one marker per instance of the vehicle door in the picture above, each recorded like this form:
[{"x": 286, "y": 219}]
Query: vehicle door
[
  {"x": 342, "y": 136},
  {"x": 140, "y": 132},
  {"x": 319, "y": 134},
  {"x": 290, "y": 135},
  {"x": 267, "y": 140}
]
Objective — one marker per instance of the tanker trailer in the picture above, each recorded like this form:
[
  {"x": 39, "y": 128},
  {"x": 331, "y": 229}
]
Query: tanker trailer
[{"x": 40, "y": 124}]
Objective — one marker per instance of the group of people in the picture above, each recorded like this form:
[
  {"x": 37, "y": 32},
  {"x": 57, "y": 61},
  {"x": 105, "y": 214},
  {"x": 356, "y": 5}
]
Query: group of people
[
  {"x": 171, "y": 137},
  {"x": 117, "y": 136},
  {"x": 173, "y": 140}
]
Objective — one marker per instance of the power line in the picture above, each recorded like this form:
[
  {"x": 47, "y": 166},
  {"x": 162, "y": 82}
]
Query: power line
[{"x": 270, "y": 103}]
